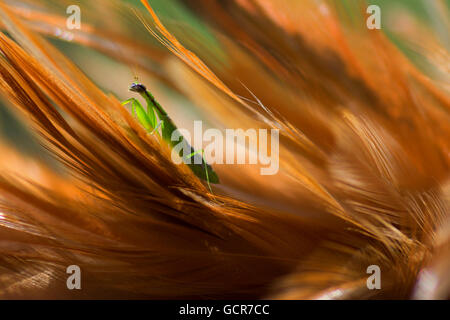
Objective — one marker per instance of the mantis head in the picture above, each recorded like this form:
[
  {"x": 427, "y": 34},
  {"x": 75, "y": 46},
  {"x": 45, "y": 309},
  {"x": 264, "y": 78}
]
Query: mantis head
[{"x": 137, "y": 87}]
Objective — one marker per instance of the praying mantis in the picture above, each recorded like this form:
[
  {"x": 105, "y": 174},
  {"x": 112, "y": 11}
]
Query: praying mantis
[{"x": 148, "y": 119}]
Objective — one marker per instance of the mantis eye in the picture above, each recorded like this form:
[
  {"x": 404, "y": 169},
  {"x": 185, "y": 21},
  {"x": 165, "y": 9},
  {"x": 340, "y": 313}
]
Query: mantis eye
[{"x": 137, "y": 87}]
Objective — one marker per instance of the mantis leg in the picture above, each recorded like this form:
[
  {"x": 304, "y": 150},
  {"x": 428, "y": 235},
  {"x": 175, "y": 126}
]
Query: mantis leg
[
  {"x": 139, "y": 112},
  {"x": 133, "y": 105},
  {"x": 204, "y": 164}
]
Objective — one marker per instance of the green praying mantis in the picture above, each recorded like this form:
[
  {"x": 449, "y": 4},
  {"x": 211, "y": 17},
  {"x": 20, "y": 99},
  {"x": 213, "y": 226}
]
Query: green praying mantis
[{"x": 149, "y": 120}]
